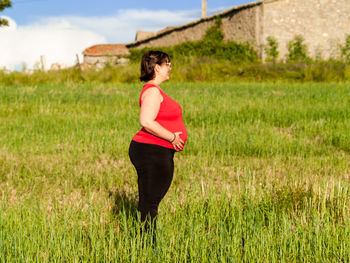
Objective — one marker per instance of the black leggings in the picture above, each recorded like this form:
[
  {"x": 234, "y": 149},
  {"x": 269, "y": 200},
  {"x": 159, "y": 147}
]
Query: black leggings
[{"x": 155, "y": 167}]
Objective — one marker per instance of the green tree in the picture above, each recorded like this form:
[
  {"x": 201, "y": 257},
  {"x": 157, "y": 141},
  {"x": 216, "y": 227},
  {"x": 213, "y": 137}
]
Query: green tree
[
  {"x": 4, "y": 4},
  {"x": 271, "y": 49},
  {"x": 297, "y": 49},
  {"x": 345, "y": 50}
]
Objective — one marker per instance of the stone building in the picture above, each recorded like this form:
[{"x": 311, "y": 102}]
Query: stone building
[
  {"x": 99, "y": 56},
  {"x": 324, "y": 25},
  {"x": 140, "y": 35},
  {"x": 238, "y": 24}
]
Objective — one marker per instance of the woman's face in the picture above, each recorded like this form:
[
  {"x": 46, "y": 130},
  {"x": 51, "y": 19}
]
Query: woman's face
[{"x": 163, "y": 70}]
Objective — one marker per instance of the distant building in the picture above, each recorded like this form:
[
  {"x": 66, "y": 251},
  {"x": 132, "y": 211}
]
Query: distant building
[
  {"x": 323, "y": 24},
  {"x": 141, "y": 35},
  {"x": 99, "y": 56}
]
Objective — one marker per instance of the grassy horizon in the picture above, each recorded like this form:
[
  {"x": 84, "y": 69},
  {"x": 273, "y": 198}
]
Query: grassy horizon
[{"x": 193, "y": 70}]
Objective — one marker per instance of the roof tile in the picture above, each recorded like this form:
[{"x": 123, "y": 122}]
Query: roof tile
[{"x": 107, "y": 50}]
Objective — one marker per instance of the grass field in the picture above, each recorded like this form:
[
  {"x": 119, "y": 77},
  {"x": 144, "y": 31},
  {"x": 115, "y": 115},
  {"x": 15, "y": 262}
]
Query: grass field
[{"x": 264, "y": 176}]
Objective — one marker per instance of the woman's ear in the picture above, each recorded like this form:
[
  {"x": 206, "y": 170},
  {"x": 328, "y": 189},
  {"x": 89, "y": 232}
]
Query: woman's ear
[{"x": 156, "y": 68}]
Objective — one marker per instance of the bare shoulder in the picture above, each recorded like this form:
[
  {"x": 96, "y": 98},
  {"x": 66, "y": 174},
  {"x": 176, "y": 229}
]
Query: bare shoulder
[{"x": 152, "y": 92}]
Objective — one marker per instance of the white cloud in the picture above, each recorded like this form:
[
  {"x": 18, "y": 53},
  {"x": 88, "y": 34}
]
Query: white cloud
[
  {"x": 59, "y": 39},
  {"x": 57, "y": 42},
  {"x": 122, "y": 27}
]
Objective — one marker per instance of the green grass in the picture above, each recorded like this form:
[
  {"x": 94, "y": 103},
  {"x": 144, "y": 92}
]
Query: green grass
[
  {"x": 191, "y": 69},
  {"x": 264, "y": 176}
]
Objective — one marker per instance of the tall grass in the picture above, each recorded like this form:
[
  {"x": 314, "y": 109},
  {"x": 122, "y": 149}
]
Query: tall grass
[
  {"x": 193, "y": 69},
  {"x": 264, "y": 176}
]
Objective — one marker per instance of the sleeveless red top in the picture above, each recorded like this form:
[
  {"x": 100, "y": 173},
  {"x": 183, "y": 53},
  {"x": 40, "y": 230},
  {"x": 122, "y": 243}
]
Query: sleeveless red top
[{"x": 169, "y": 116}]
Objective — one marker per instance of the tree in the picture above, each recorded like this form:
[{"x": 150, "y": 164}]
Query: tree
[
  {"x": 297, "y": 50},
  {"x": 4, "y": 4},
  {"x": 345, "y": 50},
  {"x": 271, "y": 49}
]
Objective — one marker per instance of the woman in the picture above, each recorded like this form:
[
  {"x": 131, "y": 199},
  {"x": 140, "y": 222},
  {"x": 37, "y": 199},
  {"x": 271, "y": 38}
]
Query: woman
[{"x": 163, "y": 132}]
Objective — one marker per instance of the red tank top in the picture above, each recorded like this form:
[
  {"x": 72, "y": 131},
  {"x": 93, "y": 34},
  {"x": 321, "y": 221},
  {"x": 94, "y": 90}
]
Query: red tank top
[{"x": 169, "y": 116}]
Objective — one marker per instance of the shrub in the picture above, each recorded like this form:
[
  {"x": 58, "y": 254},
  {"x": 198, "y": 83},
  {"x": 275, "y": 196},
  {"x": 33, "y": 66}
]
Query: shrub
[
  {"x": 271, "y": 49},
  {"x": 297, "y": 50},
  {"x": 214, "y": 33},
  {"x": 345, "y": 50}
]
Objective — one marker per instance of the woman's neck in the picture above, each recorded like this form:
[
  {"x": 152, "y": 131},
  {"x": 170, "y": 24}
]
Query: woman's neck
[{"x": 154, "y": 82}]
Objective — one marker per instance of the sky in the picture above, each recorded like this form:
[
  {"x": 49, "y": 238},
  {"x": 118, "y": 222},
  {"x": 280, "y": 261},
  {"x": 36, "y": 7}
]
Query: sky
[{"x": 60, "y": 29}]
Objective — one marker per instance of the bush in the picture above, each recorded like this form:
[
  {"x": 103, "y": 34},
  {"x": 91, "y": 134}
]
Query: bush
[
  {"x": 214, "y": 33},
  {"x": 297, "y": 50},
  {"x": 345, "y": 50},
  {"x": 271, "y": 49}
]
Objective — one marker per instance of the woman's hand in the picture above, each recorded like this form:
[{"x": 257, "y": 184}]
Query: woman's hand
[{"x": 177, "y": 142}]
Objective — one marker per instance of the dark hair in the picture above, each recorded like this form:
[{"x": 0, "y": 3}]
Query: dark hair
[{"x": 148, "y": 62}]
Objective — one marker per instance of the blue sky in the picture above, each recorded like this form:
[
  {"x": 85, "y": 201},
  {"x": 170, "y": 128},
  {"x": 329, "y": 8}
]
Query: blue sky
[
  {"x": 60, "y": 29},
  {"x": 26, "y": 11}
]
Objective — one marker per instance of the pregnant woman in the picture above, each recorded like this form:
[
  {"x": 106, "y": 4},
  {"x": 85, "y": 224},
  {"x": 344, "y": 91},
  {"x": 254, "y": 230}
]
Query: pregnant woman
[{"x": 163, "y": 133}]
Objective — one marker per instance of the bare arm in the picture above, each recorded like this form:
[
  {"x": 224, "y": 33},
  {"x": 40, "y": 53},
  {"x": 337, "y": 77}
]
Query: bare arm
[{"x": 150, "y": 105}]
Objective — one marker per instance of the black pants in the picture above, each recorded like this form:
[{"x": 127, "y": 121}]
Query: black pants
[{"x": 155, "y": 167}]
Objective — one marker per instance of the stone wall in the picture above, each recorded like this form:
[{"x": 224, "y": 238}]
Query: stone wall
[
  {"x": 99, "y": 62},
  {"x": 323, "y": 24},
  {"x": 140, "y": 35},
  {"x": 241, "y": 25},
  {"x": 175, "y": 36},
  {"x": 238, "y": 25}
]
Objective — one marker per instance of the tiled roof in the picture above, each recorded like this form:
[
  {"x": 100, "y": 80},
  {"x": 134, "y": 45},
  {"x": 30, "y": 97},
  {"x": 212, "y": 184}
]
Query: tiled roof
[
  {"x": 107, "y": 50},
  {"x": 165, "y": 29}
]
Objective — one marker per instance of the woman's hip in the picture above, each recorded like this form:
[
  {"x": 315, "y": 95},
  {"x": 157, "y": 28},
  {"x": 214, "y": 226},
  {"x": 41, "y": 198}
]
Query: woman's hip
[{"x": 143, "y": 153}]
